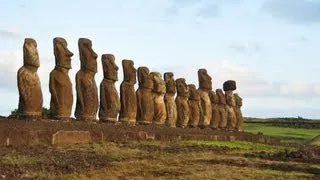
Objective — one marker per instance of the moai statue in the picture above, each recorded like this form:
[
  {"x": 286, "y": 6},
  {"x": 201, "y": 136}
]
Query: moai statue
[
  {"x": 205, "y": 85},
  {"x": 145, "y": 97},
  {"x": 215, "y": 119},
  {"x": 60, "y": 85},
  {"x": 30, "y": 94},
  {"x": 159, "y": 90},
  {"x": 87, "y": 91},
  {"x": 238, "y": 112},
  {"x": 128, "y": 98},
  {"x": 171, "y": 106},
  {"x": 182, "y": 103},
  {"x": 194, "y": 106},
  {"x": 229, "y": 86},
  {"x": 222, "y": 109},
  {"x": 109, "y": 97}
]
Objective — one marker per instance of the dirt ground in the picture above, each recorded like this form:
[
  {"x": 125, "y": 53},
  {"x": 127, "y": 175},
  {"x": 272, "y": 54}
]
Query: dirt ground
[
  {"x": 152, "y": 159},
  {"x": 173, "y": 153}
]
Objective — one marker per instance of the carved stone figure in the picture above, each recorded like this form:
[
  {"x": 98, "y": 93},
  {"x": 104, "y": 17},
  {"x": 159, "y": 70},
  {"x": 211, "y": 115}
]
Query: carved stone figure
[
  {"x": 169, "y": 99},
  {"x": 231, "y": 115},
  {"x": 215, "y": 120},
  {"x": 222, "y": 109},
  {"x": 30, "y": 94},
  {"x": 109, "y": 97},
  {"x": 194, "y": 106},
  {"x": 182, "y": 103},
  {"x": 60, "y": 85},
  {"x": 128, "y": 99},
  {"x": 205, "y": 85},
  {"x": 229, "y": 85},
  {"x": 145, "y": 97},
  {"x": 237, "y": 109},
  {"x": 87, "y": 91},
  {"x": 159, "y": 90}
]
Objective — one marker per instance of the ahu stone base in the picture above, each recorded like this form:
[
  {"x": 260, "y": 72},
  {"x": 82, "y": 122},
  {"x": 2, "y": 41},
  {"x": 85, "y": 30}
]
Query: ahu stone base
[{"x": 50, "y": 132}]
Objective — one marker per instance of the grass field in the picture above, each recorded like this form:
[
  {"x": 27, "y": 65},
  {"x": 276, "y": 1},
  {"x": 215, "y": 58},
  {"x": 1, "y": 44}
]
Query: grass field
[
  {"x": 164, "y": 159},
  {"x": 286, "y": 134}
]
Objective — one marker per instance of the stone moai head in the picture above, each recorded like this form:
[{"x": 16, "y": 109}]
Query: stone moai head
[
  {"x": 159, "y": 85},
  {"x": 62, "y": 53},
  {"x": 238, "y": 99},
  {"x": 170, "y": 83},
  {"x": 110, "y": 69},
  {"x": 182, "y": 87},
  {"x": 129, "y": 71},
  {"x": 88, "y": 57},
  {"x": 205, "y": 81},
  {"x": 144, "y": 78},
  {"x": 30, "y": 53},
  {"x": 221, "y": 96},
  {"x": 213, "y": 97},
  {"x": 193, "y": 92}
]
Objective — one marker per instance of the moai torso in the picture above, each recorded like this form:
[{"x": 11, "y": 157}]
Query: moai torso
[
  {"x": 87, "y": 91},
  {"x": 30, "y": 94},
  {"x": 215, "y": 119},
  {"x": 205, "y": 85},
  {"x": 128, "y": 99},
  {"x": 169, "y": 99},
  {"x": 109, "y": 98},
  {"x": 182, "y": 103},
  {"x": 194, "y": 106},
  {"x": 237, "y": 109},
  {"x": 158, "y": 91},
  {"x": 60, "y": 85},
  {"x": 145, "y": 103},
  {"x": 222, "y": 109}
]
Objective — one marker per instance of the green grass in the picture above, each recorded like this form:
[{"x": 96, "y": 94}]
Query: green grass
[
  {"x": 18, "y": 160},
  {"x": 238, "y": 145},
  {"x": 274, "y": 174},
  {"x": 289, "y": 135}
]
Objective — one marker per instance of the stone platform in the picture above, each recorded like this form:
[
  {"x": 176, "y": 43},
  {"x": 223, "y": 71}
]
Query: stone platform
[{"x": 52, "y": 132}]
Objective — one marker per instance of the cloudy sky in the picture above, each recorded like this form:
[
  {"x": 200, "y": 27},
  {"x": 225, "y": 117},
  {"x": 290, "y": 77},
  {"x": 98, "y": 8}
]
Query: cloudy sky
[{"x": 270, "y": 47}]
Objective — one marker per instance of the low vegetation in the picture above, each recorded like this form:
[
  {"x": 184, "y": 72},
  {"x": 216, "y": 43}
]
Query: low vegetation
[{"x": 184, "y": 159}]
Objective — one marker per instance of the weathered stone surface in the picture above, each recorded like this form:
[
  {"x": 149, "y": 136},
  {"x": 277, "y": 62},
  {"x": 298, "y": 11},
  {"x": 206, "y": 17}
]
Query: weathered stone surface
[
  {"x": 222, "y": 109},
  {"x": 30, "y": 94},
  {"x": 231, "y": 115},
  {"x": 142, "y": 135},
  {"x": 237, "y": 109},
  {"x": 87, "y": 91},
  {"x": 205, "y": 81},
  {"x": 71, "y": 137},
  {"x": 205, "y": 85},
  {"x": 171, "y": 106},
  {"x": 229, "y": 85},
  {"x": 128, "y": 98},
  {"x": 182, "y": 103},
  {"x": 194, "y": 106},
  {"x": 145, "y": 97},
  {"x": 159, "y": 90},
  {"x": 109, "y": 97},
  {"x": 215, "y": 119},
  {"x": 60, "y": 85}
]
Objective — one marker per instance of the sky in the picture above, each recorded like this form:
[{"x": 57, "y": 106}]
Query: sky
[{"x": 270, "y": 47}]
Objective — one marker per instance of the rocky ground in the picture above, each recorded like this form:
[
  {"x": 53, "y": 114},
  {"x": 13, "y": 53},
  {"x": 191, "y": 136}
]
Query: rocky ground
[{"x": 148, "y": 152}]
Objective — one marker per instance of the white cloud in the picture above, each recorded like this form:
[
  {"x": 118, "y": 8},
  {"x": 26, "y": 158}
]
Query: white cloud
[{"x": 9, "y": 32}]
